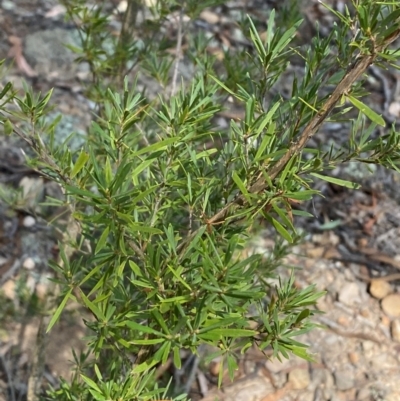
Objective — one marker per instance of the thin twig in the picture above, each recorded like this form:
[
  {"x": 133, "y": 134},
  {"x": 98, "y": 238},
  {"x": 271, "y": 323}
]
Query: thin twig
[
  {"x": 8, "y": 376},
  {"x": 192, "y": 375},
  {"x": 178, "y": 52},
  {"x": 355, "y": 72},
  {"x": 10, "y": 272},
  {"x": 42, "y": 155}
]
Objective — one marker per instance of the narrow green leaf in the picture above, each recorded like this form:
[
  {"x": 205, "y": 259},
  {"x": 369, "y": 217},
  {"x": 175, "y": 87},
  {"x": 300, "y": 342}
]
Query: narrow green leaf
[
  {"x": 302, "y": 353},
  {"x": 217, "y": 323},
  {"x": 376, "y": 118},
  {"x": 77, "y": 191},
  {"x": 232, "y": 366},
  {"x": 232, "y": 333},
  {"x": 45, "y": 100},
  {"x": 205, "y": 153},
  {"x": 143, "y": 194},
  {"x": 156, "y": 358},
  {"x": 165, "y": 355},
  {"x": 160, "y": 320},
  {"x": 102, "y": 240},
  {"x": 280, "y": 229},
  {"x": 180, "y": 299},
  {"x": 286, "y": 38},
  {"x": 283, "y": 217},
  {"x": 155, "y": 146},
  {"x": 142, "y": 166},
  {"x": 240, "y": 184},
  {"x": 267, "y": 117},
  {"x": 287, "y": 171},
  {"x": 270, "y": 29},
  {"x": 224, "y": 86},
  {"x": 302, "y": 315},
  {"x": 306, "y": 194},
  {"x": 108, "y": 172},
  {"x": 80, "y": 163},
  {"x": 145, "y": 329},
  {"x": 90, "y": 305},
  {"x": 255, "y": 37},
  {"x": 98, "y": 373},
  {"x": 337, "y": 13},
  {"x": 6, "y": 88},
  {"x": 149, "y": 341},
  {"x": 177, "y": 358},
  {"x": 8, "y": 127},
  {"x": 58, "y": 311},
  {"x": 120, "y": 175},
  {"x": 264, "y": 143},
  {"x": 178, "y": 277},
  {"x": 337, "y": 181},
  {"x": 144, "y": 229},
  {"x": 93, "y": 271},
  {"x": 301, "y": 213},
  {"x": 330, "y": 225},
  {"x": 91, "y": 383}
]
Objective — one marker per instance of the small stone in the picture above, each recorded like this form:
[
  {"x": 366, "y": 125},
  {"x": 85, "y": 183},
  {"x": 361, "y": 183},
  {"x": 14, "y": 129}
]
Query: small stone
[
  {"x": 354, "y": 357},
  {"x": 368, "y": 345},
  {"x": 350, "y": 294},
  {"x": 32, "y": 191},
  {"x": 385, "y": 321},
  {"x": 299, "y": 378},
  {"x": 391, "y": 305},
  {"x": 31, "y": 284},
  {"x": 395, "y": 329},
  {"x": 41, "y": 291},
  {"x": 379, "y": 288},
  {"x": 339, "y": 396},
  {"x": 329, "y": 385},
  {"x": 344, "y": 379},
  {"x": 8, "y": 289},
  {"x": 215, "y": 366},
  {"x": 29, "y": 264},
  {"x": 364, "y": 394},
  {"x": 393, "y": 396},
  {"x": 7, "y": 5},
  {"x": 334, "y": 239},
  {"x": 28, "y": 222},
  {"x": 362, "y": 242},
  {"x": 344, "y": 321},
  {"x": 210, "y": 17},
  {"x": 384, "y": 362},
  {"x": 394, "y": 109},
  {"x": 316, "y": 252},
  {"x": 350, "y": 394}
]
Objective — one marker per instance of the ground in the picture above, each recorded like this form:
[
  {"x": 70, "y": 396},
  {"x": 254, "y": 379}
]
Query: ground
[{"x": 351, "y": 251}]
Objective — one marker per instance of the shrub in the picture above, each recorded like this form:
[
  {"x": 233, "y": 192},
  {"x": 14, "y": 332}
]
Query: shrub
[{"x": 162, "y": 200}]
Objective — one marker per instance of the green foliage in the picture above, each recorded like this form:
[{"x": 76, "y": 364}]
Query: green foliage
[{"x": 166, "y": 199}]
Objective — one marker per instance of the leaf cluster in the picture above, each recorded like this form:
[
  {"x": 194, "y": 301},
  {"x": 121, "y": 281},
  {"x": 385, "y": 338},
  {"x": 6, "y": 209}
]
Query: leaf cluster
[{"x": 166, "y": 199}]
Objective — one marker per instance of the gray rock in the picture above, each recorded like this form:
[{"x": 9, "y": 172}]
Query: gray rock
[
  {"x": 7, "y": 5},
  {"x": 395, "y": 328},
  {"x": 47, "y": 54},
  {"x": 299, "y": 378},
  {"x": 350, "y": 294},
  {"x": 344, "y": 379}
]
